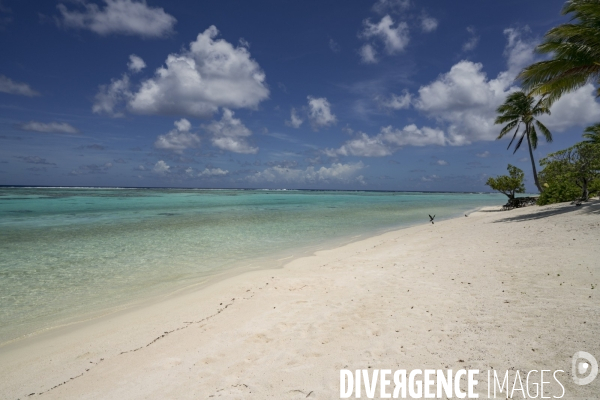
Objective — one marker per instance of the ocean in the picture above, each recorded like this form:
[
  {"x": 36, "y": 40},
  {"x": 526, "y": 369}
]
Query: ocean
[{"x": 68, "y": 254}]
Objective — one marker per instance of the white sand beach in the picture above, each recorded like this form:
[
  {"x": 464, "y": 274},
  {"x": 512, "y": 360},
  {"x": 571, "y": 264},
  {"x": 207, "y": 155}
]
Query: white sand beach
[{"x": 504, "y": 290}]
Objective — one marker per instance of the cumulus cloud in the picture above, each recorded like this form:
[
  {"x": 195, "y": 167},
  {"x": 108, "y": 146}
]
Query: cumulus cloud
[
  {"x": 385, "y": 6},
  {"x": 368, "y": 54},
  {"x": 428, "y": 24},
  {"x": 9, "y": 86},
  {"x": 126, "y": 17},
  {"x": 50, "y": 127},
  {"x": 473, "y": 40},
  {"x": 396, "y": 102},
  {"x": 110, "y": 96},
  {"x": 578, "y": 108},
  {"x": 161, "y": 168},
  {"x": 208, "y": 172},
  {"x": 395, "y": 39},
  {"x": 483, "y": 155},
  {"x": 295, "y": 121},
  {"x": 230, "y": 134},
  {"x": 388, "y": 141},
  {"x": 178, "y": 139},
  {"x": 197, "y": 82},
  {"x": 337, "y": 172},
  {"x": 319, "y": 112},
  {"x": 442, "y": 162},
  {"x": 135, "y": 64},
  {"x": 465, "y": 99}
]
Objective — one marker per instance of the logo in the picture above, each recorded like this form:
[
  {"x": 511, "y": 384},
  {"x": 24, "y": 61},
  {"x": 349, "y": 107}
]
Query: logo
[{"x": 582, "y": 364}]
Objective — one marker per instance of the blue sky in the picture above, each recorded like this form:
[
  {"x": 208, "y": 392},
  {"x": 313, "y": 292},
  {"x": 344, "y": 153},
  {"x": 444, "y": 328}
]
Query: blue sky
[{"x": 365, "y": 94}]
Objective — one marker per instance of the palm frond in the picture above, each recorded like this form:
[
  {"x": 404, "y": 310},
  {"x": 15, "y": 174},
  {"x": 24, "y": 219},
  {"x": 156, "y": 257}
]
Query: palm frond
[
  {"x": 533, "y": 138},
  {"x": 519, "y": 142},
  {"x": 545, "y": 131},
  {"x": 575, "y": 50},
  {"x": 592, "y": 133},
  {"x": 508, "y": 128}
]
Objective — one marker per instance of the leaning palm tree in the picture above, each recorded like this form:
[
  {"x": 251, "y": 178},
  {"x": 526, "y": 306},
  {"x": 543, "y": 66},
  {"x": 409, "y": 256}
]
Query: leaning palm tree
[
  {"x": 592, "y": 134},
  {"x": 575, "y": 50},
  {"x": 522, "y": 109}
]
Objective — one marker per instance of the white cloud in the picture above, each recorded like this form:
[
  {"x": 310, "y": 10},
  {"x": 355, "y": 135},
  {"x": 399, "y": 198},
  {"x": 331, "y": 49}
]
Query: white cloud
[
  {"x": 9, "y": 86},
  {"x": 295, "y": 121},
  {"x": 319, "y": 112},
  {"x": 230, "y": 134},
  {"x": 388, "y": 141},
  {"x": 368, "y": 54},
  {"x": 50, "y": 127},
  {"x": 244, "y": 43},
  {"x": 363, "y": 145},
  {"x": 578, "y": 108},
  {"x": 428, "y": 24},
  {"x": 178, "y": 139},
  {"x": 183, "y": 125},
  {"x": 410, "y": 135},
  {"x": 472, "y": 42},
  {"x": 384, "y": 6},
  {"x": 197, "y": 82},
  {"x": 127, "y": 17},
  {"x": 429, "y": 178},
  {"x": 337, "y": 172},
  {"x": 483, "y": 155},
  {"x": 395, "y": 39},
  {"x": 135, "y": 64},
  {"x": 161, "y": 168},
  {"x": 442, "y": 162},
  {"x": 110, "y": 96},
  {"x": 396, "y": 102},
  {"x": 334, "y": 46},
  {"x": 465, "y": 99},
  {"x": 213, "y": 172}
]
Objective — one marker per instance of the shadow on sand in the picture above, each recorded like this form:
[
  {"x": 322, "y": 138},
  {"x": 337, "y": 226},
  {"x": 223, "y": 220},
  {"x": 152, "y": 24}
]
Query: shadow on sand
[{"x": 590, "y": 207}]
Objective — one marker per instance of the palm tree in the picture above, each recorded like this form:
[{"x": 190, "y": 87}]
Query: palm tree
[
  {"x": 575, "y": 49},
  {"x": 592, "y": 133},
  {"x": 522, "y": 109}
]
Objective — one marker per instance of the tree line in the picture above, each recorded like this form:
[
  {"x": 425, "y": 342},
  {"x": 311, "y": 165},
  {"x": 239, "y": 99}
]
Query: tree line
[{"x": 574, "y": 49}]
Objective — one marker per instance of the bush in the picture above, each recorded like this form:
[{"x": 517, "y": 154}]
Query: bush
[{"x": 509, "y": 184}]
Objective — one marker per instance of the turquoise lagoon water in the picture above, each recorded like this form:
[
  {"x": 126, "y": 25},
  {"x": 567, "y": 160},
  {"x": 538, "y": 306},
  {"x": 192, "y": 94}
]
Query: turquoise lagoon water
[{"x": 71, "y": 253}]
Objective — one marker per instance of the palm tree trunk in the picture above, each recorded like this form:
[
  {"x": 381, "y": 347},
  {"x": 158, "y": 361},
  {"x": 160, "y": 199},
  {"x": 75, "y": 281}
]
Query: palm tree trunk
[
  {"x": 585, "y": 195},
  {"x": 535, "y": 176}
]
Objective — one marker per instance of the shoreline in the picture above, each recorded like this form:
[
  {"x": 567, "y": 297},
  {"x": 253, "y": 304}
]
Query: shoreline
[
  {"x": 240, "y": 326},
  {"x": 202, "y": 281}
]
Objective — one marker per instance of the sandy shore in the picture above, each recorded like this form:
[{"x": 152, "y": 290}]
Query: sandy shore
[{"x": 497, "y": 290}]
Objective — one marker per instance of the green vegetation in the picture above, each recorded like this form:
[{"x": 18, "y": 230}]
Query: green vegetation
[
  {"x": 571, "y": 174},
  {"x": 522, "y": 109},
  {"x": 575, "y": 51},
  {"x": 508, "y": 184},
  {"x": 574, "y": 48},
  {"x": 592, "y": 134}
]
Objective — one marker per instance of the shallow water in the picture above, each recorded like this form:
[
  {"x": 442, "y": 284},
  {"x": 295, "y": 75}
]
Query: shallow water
[{"x": 66, "y": 253}]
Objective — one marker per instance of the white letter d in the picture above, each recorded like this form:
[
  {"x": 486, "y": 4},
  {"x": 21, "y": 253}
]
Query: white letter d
[{"x": 346, "y": 389}]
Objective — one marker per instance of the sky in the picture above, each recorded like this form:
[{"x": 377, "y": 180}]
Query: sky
[{"x": 327, "y": 94}]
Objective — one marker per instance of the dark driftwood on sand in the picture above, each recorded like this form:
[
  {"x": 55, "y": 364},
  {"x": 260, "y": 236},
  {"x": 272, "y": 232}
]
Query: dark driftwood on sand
[{"x": 519, "y": 202}]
